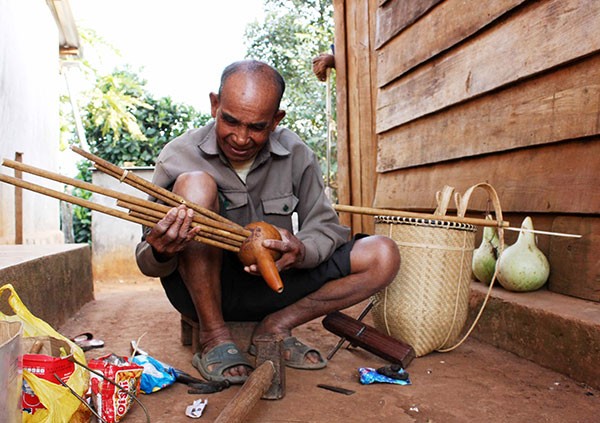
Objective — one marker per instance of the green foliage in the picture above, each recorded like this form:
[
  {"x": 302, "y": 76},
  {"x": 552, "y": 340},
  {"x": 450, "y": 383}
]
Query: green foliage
[
  {"x": 292, "y": 34},
  {"x": 136, "y": 130},
  {"x": 82, "y": 217},
  {"x": 127, "y": 126}
]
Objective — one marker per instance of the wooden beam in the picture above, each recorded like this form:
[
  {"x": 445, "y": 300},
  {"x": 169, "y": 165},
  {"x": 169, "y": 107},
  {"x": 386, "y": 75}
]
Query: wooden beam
[
  {"x": 344, "y": 185},
  {"x": 18, "y": 203}
]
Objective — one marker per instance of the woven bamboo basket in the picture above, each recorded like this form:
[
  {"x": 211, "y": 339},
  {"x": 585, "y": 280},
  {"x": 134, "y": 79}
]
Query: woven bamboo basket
[{"x": 428, "y": 302}]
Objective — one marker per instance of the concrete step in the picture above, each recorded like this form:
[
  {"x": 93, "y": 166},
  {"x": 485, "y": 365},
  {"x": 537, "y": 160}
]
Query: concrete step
[
  {"x": 54, "y": 281},
  {"x": 554, "y": 331}
]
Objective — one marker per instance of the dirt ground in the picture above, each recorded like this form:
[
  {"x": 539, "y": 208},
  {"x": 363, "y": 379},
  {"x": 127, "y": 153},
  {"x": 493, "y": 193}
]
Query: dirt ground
[{"x": 474, "y": 383}]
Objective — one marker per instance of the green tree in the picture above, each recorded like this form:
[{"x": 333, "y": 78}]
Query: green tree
[
  {"x": 126, "y": 125},
  {"x": 292, "y": 33}
]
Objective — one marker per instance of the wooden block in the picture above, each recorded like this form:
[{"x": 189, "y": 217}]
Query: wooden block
[
  {"x": 369, "y": 338},
  {"x": 270, "y": 348}
]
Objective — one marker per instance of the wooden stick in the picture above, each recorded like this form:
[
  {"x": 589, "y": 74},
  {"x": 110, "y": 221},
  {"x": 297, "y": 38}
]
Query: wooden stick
[
  {"x": 255, "y": 386},
  {"x": 215, "y": 227},
  {"x": 536, "y": 231},
  {"x": 470, "y": 220},
  {"x": 168, "y": 197},
  {"x": 155, "y": 190},
  {"x": 204, "y": 215},
  {"x": 415, "y": 215}
]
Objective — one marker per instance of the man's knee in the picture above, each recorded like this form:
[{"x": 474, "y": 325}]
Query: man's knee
[
  {"x": 378, "y": 255},
  {"x": 198, "y": 187}
]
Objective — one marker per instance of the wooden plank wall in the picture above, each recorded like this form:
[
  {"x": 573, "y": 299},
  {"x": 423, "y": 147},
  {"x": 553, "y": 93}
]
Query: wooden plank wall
[{"x": 507, "y": 92}]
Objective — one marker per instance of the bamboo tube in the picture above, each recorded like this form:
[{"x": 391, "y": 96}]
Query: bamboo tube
[
  {"x": 206, "y": 230},
  {"x": 71, "y": 199},
  {"x": 203, "y": 238},
  {"x": 97, "y": 207},
  {"x": 211, "y": 226},
  {"x": 415, "y": 215},
  {"x": 222, "y": 228},
  {"x": 205, "y": 215},
  {"x": 156, "y": 191}
]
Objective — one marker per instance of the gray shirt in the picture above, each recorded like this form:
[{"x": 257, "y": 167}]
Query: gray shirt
[{"x": 284, "y": 178}]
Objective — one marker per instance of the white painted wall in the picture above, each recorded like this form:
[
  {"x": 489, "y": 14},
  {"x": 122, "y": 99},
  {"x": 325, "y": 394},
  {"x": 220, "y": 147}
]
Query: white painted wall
[
  {"x": 29, "y": 122},
  {"x": 114, "y": 239}
]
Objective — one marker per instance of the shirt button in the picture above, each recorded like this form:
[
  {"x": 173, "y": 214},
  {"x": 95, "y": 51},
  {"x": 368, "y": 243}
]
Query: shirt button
[{"x": 285, "y": 208}]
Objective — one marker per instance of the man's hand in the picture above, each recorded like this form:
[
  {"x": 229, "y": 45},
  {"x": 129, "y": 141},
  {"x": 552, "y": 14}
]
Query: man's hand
[
  {"x": 172, "y": 233},
  {"x": 291, "y": 248},
  {"x": 321, "y": 63}
]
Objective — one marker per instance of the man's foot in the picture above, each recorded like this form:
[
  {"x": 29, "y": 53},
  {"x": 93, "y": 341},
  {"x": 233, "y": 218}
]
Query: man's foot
[
  {"x": 223, "y": 362},
  {"x": 298, "y": 355}
]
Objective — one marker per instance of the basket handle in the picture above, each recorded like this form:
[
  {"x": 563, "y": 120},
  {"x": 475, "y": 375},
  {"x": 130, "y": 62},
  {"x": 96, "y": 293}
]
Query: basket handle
[
  {"x": 461, "y": 208},
  {"x": 443, "y": 198}
]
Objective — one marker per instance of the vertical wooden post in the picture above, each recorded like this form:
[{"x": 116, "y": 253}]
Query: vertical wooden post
[{"x": 18, "y": 203}]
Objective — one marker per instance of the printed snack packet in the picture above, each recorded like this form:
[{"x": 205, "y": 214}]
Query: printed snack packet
[{"x": 109, "y": 401}]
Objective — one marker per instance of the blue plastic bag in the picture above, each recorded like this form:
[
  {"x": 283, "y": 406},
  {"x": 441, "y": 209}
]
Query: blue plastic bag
[
  {"x": 369, "y": 375},
  {"x": 156, "y": 375}
]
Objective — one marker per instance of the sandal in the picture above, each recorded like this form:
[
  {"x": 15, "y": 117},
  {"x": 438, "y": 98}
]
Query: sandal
[
  {"x": 86, "y": 341},
  {"x": 224, "y": 356},
  {"x": 298, "y": 351}
]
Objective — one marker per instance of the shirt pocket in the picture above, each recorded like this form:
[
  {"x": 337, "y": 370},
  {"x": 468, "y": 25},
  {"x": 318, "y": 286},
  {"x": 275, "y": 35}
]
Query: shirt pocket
[
  {"x": 232, "y": 200},
  {"x": 281, "y": 205}
]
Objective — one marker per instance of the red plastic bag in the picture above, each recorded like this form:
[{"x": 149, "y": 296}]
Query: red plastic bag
[
  {"x": 44, "y": 366},
  {"x": 111, "y": 402}
]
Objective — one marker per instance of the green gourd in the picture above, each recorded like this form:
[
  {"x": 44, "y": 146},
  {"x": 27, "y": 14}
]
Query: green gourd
[
  {"x": 522, "y": 266},
  {"x": 485, "y": 256}
]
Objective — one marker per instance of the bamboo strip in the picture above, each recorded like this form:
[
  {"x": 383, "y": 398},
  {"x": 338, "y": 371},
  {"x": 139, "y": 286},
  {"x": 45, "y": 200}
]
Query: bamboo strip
[
  {"x": 221, "y": 229},
  {"x": 157, "y": 191},
  {"x": 399, "y": 213}
]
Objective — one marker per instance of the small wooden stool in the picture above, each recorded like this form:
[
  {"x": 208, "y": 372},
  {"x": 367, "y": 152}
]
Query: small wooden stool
[{"x": 189, "y": 333}]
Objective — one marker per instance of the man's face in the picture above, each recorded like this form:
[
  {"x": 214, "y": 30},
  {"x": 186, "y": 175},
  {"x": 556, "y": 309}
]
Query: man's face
[{"x": 245, "y": 114}]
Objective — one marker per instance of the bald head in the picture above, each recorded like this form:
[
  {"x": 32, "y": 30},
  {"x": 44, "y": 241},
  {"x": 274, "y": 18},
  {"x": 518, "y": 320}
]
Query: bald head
[{"x": 252, "y": 69}]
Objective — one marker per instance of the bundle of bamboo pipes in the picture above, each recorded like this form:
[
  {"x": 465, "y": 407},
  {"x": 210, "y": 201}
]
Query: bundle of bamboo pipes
[{"x": 215, "y": 230}]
